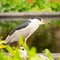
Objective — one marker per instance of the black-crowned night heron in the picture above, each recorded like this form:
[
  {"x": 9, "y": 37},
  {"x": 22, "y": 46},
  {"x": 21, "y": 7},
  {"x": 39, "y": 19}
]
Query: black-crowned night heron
[{"x": 26, "y": 29}]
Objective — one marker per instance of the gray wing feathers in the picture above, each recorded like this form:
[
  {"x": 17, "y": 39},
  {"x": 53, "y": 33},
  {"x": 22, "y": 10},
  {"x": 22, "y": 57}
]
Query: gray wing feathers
[
  {"x": 14, "y": 34},
  {"x": 23, "y": 25},
  {"x": 12, "y": 38}
]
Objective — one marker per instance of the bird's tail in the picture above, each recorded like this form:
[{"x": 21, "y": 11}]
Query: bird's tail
[{"x": 7, "y": 40}]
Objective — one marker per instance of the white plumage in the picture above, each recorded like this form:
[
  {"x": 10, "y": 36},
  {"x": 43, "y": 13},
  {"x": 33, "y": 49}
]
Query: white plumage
[{"x": 26, "y": 30}]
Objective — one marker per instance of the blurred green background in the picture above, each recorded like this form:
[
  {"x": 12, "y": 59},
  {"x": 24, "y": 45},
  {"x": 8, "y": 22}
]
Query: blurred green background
[{"x": 24, "y": 6}]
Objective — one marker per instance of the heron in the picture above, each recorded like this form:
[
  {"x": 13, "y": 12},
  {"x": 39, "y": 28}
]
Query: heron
[{"x": 25, "y": 29}]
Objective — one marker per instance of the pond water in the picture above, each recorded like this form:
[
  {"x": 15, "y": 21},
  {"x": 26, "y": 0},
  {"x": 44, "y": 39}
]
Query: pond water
[{"x": 46, "y": 36}]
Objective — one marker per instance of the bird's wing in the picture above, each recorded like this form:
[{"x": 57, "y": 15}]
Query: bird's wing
[
  {"x": 21, "y": 26},
  {"x": 11, "y": 39},
  {"x": 12, "y": 33}
]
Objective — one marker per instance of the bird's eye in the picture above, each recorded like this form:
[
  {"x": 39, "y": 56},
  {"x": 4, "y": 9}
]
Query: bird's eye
[
  {"x": 40, "y": 19},
  {"x": 22, "y": 48}
]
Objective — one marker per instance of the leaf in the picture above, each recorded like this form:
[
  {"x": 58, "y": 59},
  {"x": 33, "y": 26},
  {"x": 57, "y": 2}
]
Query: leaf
[
  {"x": 21, "y": 42},
  {"x": 10, "y": 50},
  {"x": 35, "y": 58},
  {"x": 7, "y": 57},
  {"x": 32, "y": 52},
  {"x": 1, "y": 55},
  {"x": 2, "y": 42},
  {"x": 2, "y": 46},
  {"x": 17, "y": 54},
  {"x": 48, "y": 54}
]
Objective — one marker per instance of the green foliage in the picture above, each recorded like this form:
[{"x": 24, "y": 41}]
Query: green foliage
[
  {"x": 23, "y": 6},
  {"x": 41, "y": 3},
  {"x": 13, "y": 6},
  {"x": 48, "y": 54},
  {"x": 14, "y": 54},
  {"x": 55, "y": 6},
  {"x": 58, "y": 58}
]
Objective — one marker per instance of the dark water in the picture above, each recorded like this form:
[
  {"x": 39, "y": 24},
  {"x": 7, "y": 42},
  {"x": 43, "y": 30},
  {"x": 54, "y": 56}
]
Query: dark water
[{"x": 46, "y": 36}]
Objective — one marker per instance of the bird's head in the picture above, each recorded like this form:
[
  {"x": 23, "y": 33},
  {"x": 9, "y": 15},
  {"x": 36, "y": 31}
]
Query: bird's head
[
  {"x": 42, "y": 21},
  {"x": 39, "y": 21}
]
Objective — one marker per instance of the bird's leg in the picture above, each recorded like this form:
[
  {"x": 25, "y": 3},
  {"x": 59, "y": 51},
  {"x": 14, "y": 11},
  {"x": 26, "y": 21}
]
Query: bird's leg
[{"x": 27, "y": 38}]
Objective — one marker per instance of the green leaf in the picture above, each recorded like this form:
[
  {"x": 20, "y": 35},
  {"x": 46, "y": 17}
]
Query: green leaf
[
  {"x": 22, "y": 42},
  {"x": 32, "y": 52},
  {"x": 1, "y": 55},
  {"x": 10, "y": 50},
  {"x": 17, "y": 54},
  {"x": 48, "y": 54},
  {"x": 35, "y": 58}
]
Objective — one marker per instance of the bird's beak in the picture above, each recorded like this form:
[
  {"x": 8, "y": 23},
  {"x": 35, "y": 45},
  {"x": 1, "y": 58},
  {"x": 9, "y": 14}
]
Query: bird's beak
[
  {"x": 42, "y": 21},
  {"x": 46, "y": 21}
]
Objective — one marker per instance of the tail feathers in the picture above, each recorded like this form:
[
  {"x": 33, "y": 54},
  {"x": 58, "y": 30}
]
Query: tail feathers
[{"x": 7, "y": 40}]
